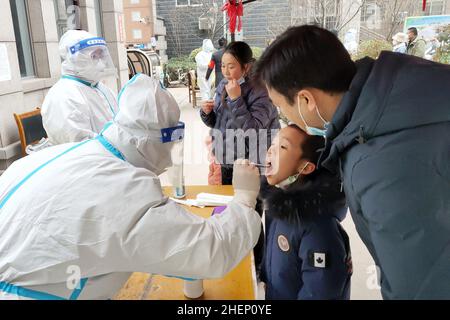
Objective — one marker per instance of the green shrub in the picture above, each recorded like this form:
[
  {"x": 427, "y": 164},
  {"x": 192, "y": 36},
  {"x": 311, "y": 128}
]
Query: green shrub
[
  {"x": 257, "y": 52},
  {"x": 372, "y": 49},
  {"x": 443, "y": 52},
  {"x": 184, "y": 63},
  {"x": 194, "y": 53}
]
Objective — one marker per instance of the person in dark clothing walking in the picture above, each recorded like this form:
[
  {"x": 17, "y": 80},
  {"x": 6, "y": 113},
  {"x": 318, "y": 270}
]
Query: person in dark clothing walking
[
  {"x": 307, "y": 252},
  {"x": 216, "y": 62},
  {"x": 241, "y": 115},
  {"x": 387, "y": 129}
]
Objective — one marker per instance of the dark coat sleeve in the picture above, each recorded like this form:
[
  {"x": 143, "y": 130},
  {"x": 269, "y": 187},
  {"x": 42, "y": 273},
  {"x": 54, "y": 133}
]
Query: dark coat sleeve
[
  {"x": 255, "y": 112},
  {"x": 208, "y": 119}
]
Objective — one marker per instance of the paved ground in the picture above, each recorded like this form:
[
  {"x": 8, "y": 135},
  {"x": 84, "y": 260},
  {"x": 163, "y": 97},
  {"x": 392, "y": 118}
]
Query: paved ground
[{"x": 196, "y": 173}]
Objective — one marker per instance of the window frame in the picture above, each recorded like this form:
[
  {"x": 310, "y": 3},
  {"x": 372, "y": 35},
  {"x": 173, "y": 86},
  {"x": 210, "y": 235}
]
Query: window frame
[
  {"x": 132, "y": 16},
  {"x": 99, "y": 18},
  {"x": 32, "y": 56},
  {"x": 133, "y": 32},
  {"x": 189, "y": 4},
  {"x": 432, "y": 4}
]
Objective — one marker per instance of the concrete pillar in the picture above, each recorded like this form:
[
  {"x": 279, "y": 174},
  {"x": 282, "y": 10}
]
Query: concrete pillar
[
  {"x": 87, "y": 16},
  {"x": 114, "y": 32}
]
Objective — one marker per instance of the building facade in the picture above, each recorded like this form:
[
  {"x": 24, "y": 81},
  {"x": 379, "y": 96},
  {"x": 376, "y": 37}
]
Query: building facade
[
  {"x": 263, "y": 20},
  {"x": 29, "y": 57},
  {"x": 142, "y": 23},
  {"x": 381, "y": 19},
  {"x": 186, "y": 28}
]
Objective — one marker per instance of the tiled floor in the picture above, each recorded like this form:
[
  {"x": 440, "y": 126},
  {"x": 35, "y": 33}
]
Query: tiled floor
[{"x": 196, "y": 173}]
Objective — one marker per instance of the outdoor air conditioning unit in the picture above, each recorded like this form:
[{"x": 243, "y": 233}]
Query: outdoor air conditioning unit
[{"x": 204, "y": 23}]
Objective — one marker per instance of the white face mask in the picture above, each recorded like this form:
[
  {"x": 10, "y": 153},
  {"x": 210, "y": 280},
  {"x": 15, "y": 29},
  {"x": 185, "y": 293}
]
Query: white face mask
[
  {"x": 290, "y": 180},
  {"x": 155, "y": 156}
]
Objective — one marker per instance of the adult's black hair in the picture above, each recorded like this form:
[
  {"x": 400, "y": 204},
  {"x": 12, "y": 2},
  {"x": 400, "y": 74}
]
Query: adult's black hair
[
  {"x": 306, "y": 56},
  {"x": 222, "y": 42},
  {"x": 413, "y": 30},
  {"x": 241, "y": 52}
]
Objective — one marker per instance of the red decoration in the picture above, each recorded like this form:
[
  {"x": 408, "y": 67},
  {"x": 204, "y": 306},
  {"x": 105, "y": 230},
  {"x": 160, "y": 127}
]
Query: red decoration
[
  {"x": 424, "y": 6},
  {"x": 235, "y": 11}
]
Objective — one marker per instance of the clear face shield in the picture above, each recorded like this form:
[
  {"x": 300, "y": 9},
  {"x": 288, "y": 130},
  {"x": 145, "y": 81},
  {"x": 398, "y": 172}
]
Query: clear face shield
[
  {"x": 175, "y": 137},
  {"x": 91, "y": 60}
]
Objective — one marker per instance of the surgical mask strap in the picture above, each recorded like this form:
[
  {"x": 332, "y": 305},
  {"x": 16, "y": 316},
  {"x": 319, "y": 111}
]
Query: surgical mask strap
[
  {"x": 312, "y": 130},
  {"x": 291, "y": 179},
  {"x": 300, "y": 111}
]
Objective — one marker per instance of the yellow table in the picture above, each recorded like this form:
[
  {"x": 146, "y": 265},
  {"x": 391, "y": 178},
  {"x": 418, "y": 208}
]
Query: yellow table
[{"x": 239, "y": 284}]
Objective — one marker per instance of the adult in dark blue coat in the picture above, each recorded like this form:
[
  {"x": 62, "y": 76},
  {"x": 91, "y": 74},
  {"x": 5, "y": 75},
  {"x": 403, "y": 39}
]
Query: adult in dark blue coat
[{"x": 387, "y": 124}]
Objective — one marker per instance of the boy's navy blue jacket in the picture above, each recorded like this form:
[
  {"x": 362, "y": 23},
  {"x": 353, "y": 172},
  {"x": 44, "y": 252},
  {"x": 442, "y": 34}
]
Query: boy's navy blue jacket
[{"x": 307, "y": 253}]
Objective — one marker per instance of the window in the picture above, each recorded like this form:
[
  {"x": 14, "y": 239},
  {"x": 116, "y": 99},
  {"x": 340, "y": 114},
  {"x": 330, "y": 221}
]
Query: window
[
  {"x": 137, "y": 34},
  {"x": 23, "y": 39},
  {"x": 98, "y": 17},
  {"x": 67, "y": 16},
  {"x": 184, "y": 3},
  {"x": 369, "y": 11},
  {"x": 136, "y": 16},
  {"x": 330, "y": 22},
  {"x": 434, "y": 8}
]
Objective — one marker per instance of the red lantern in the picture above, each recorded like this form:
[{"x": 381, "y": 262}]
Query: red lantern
[{"x": 235, "y": 11}]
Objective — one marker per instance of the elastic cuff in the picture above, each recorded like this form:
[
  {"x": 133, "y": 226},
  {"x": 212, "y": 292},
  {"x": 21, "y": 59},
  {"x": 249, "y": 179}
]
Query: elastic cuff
[{"x": 247, "y": 199}]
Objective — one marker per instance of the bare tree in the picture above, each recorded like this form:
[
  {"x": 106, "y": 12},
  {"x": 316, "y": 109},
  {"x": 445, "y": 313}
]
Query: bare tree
[
  {"x": 330, "y": 14},
  {"x": 393, "y": 13},
  {"x": 336, "y": 14},
  {"x": 177, "y": 23},
  {"x": 353, "y": 10},
  {"x": 211, "y": 9}
]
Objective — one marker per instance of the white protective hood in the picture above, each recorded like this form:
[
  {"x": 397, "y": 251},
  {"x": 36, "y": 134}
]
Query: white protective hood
[
  {"x": 145, "y": 108},
  {"x": 85, "y": 56}
]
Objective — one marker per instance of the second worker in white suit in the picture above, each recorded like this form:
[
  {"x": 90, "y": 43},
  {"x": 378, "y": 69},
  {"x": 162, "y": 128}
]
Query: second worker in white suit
[
  {"x": 77, "y": 107},
  {"x": 96, "y": 209}
]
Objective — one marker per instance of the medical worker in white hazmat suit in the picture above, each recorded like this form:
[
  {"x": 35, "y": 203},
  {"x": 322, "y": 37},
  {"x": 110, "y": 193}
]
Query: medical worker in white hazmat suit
[
  {"x": 77, "y": 219},
  {"x": 202, "y": 59},
  {"x": 78, "y": 105}
]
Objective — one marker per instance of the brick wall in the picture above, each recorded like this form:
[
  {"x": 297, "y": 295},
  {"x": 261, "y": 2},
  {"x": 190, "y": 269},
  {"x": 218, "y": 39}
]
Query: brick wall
[{"x": 261, "y": 19}]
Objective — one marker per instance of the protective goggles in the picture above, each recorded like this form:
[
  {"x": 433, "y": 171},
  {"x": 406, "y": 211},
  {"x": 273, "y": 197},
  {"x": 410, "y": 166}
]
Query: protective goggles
[{"x": 173, "y": 134}]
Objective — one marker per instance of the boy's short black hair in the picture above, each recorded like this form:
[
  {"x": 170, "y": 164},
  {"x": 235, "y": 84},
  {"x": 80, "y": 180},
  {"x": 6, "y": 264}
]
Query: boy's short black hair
[
  {"x": 311, "y": 145},
  {"x": 413, "y": 30},
  {"x": 306, "y": 56}
]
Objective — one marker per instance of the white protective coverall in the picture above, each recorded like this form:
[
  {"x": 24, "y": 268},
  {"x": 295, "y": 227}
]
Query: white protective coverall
[
  {"x": 78, "y": 105},
  {"x": 202, "y": 59},
  {"x": 77, "y": 219}
]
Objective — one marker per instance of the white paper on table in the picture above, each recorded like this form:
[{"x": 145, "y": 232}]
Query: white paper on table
[
  {"x": 188, "y": 202},
  {"x": 206, "y": 200},
  {"x": 5, "y": 70},
  {"x": 210, "y": 199}
]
